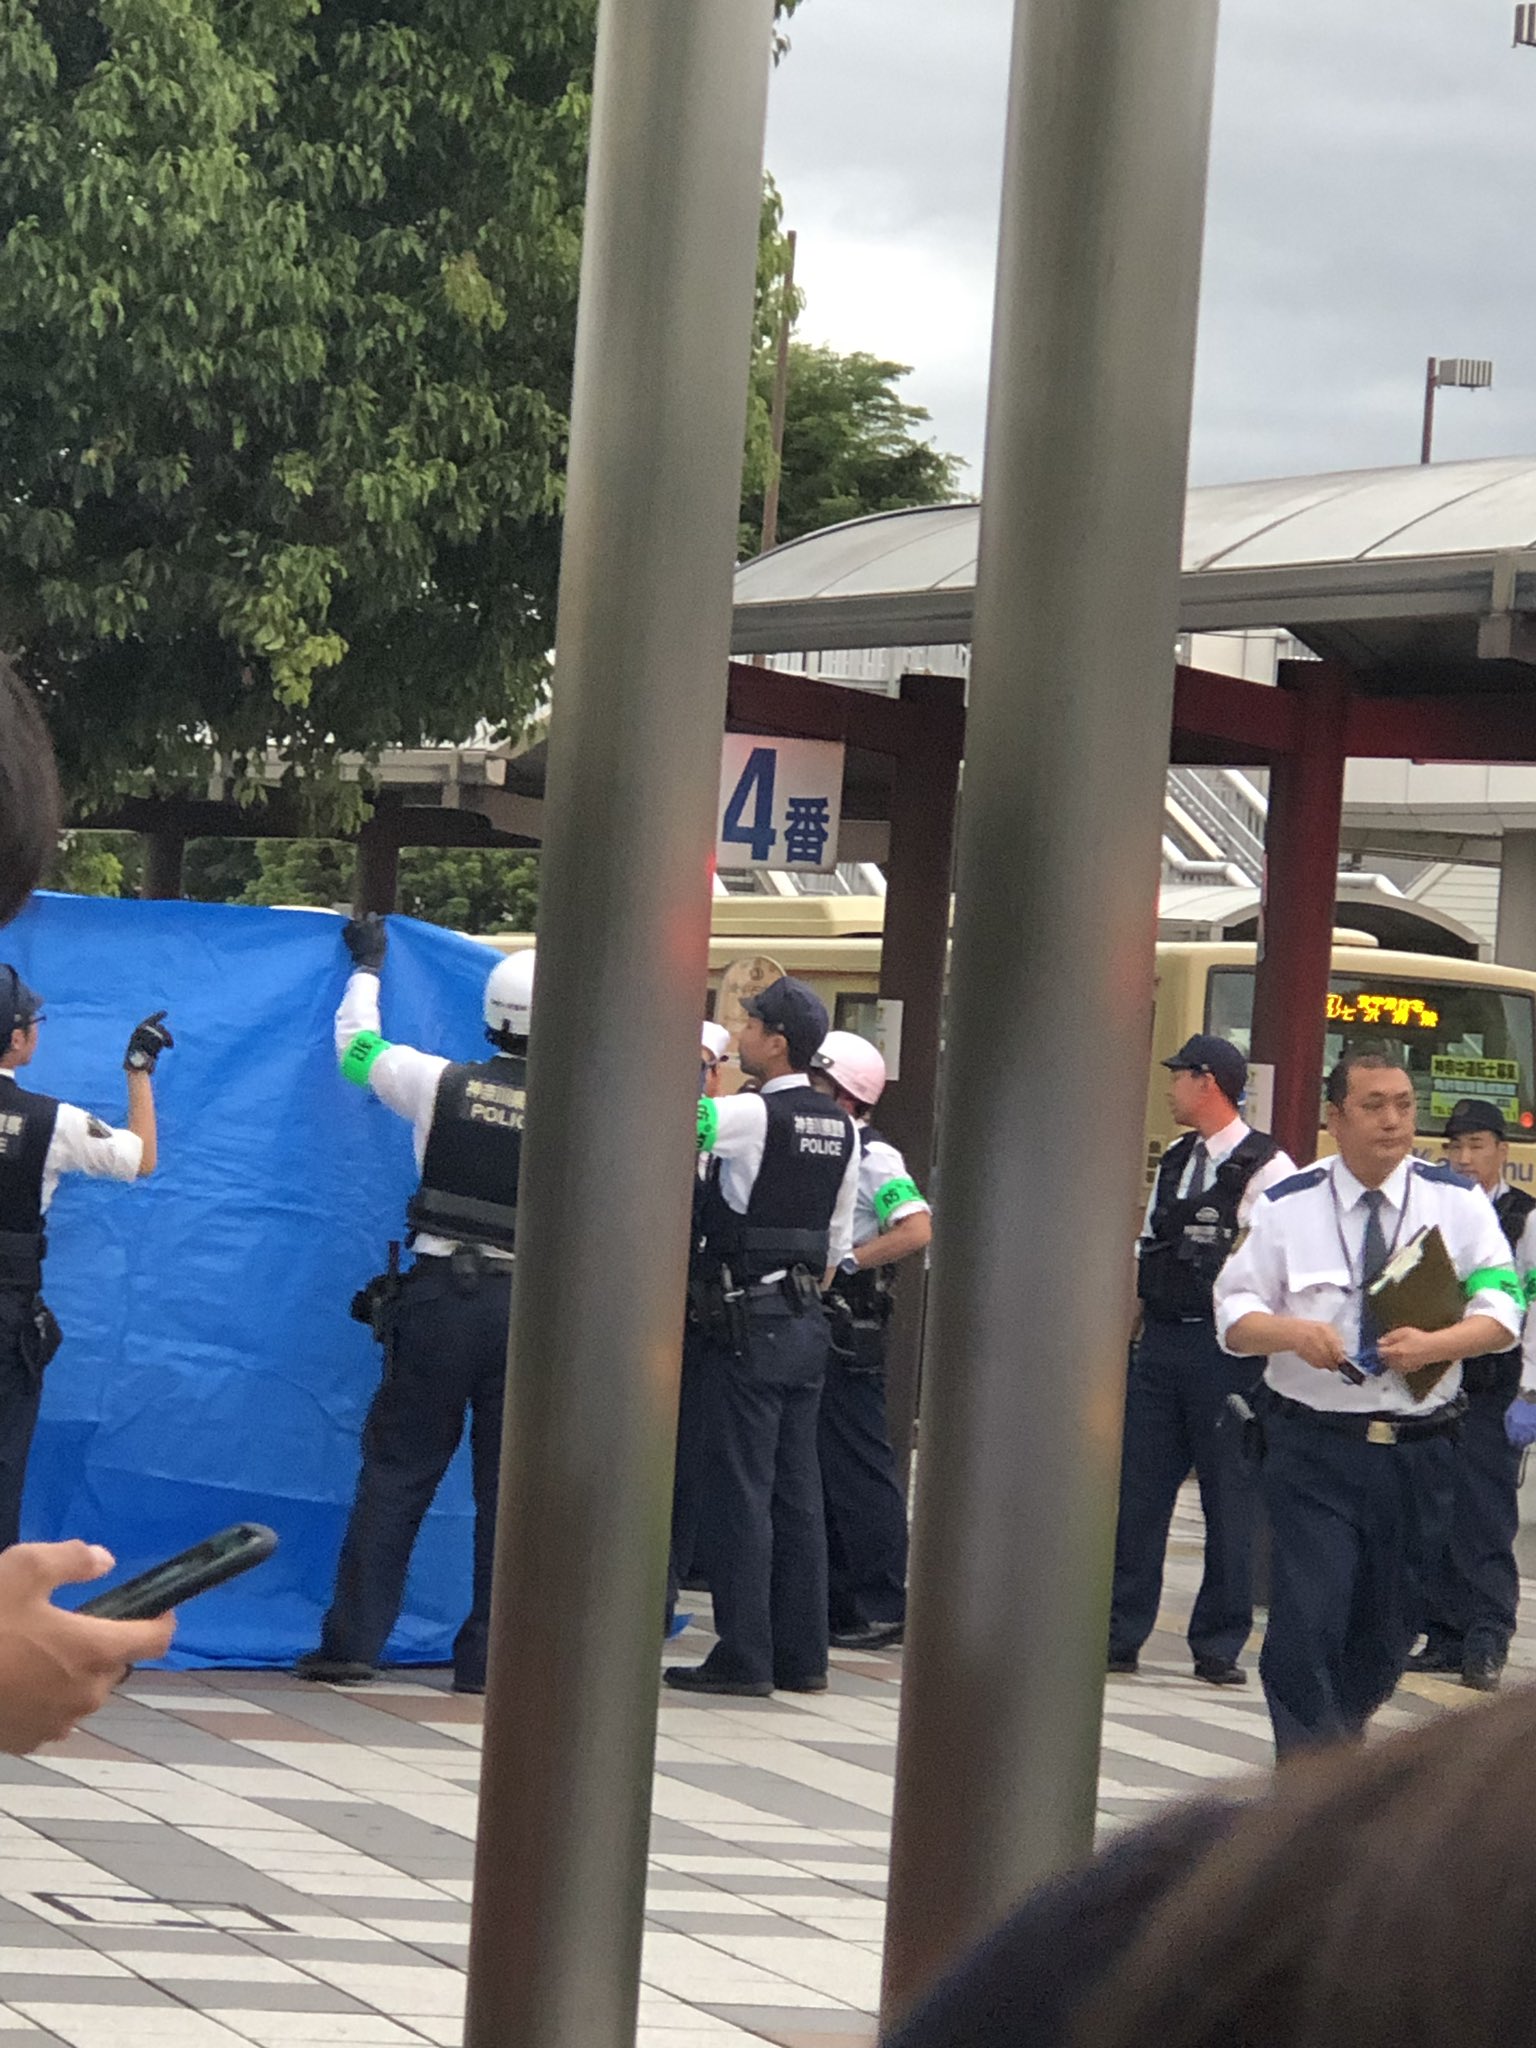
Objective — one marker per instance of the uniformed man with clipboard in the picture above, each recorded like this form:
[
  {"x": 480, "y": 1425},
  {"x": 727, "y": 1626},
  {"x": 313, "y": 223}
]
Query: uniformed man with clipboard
[{"x": 1357, "y": 1470}]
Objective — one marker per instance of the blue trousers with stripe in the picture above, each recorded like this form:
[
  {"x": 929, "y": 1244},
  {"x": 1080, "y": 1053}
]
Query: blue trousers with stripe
[
  {"x": 1356, "y": 1529},
  {"x": 1176, "y": 1421}
]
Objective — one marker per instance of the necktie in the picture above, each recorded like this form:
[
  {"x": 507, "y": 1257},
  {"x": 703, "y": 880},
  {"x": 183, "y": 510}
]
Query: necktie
[
  {"x": 1373, "y": 1257},
  {"x": 1199, "y": 1165}
]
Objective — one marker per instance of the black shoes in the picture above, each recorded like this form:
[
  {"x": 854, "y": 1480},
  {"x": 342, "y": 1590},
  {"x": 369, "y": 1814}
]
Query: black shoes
[
  {"x": 817, "y": 1683},
  {"x": 1220, "y": 1671},
  {"x": 474, "y": 1687},
  {"x": 875, "y": 1635},
  {"x": 1481, "y": 1670},
  {"x": 1123, "y": 1667},
  {"x": 322, "y": 1670},
  {"x": 1435, "y": 1660},
  {"x": 695, "y": 1678}
]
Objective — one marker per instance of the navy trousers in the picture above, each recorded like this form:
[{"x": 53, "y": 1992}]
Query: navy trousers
[
  {"x": 866, "y": 1509},
  {"x": 1475, "y": 1592},
  {"x": 764, "y": 1530},
  {"x": 448, "y": 1355},
  {"x": 685, "y": 1557},
  {"x": 1176, "y": 1421},
  {"x": 1356, "y": 1528},
  {"x": 21, "y": 1387}
]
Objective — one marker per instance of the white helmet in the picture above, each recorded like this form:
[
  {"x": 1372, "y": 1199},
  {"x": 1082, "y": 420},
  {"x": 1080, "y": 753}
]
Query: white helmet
[
  {"x": 854, "y": 1064},
  {"x": 509, "y": 995},
  {"x": 715, "y": 1040}
]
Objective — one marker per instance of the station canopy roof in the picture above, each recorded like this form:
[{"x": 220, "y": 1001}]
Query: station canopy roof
[{"x": 1398, "y": 572}]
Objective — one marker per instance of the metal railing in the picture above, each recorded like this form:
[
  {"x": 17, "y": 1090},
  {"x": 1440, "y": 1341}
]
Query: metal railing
[{"x": 1230, "y": 808}]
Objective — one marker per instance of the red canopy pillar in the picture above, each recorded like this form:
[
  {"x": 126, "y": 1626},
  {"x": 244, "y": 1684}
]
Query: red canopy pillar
[{"x": 1301, "y": 866}]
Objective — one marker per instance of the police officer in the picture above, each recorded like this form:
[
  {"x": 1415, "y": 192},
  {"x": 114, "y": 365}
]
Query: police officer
[
  {"x": 866, "y": 1507},
  {"x": 1358, "y": 1459},
  {"x": 1474, "y": 1595},
  {"x": 777, "y": 1217},
  {"x": 40, "y": 1139},
  {"x": 1176, "y": 1395},
  {"x": 685, "y": 1562},
  {"x": 446, "y": 1332}
]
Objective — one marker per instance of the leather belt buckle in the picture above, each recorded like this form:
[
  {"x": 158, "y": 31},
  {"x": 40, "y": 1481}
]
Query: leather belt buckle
[{"x": 1379, "y": 1432}]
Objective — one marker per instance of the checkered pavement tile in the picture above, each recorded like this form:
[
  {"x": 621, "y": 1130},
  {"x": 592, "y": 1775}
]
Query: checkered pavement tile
[{"x": 233, "y": 1859}]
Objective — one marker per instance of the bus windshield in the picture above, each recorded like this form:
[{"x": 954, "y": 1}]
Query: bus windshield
[{"x": 1454, "y": 1038}]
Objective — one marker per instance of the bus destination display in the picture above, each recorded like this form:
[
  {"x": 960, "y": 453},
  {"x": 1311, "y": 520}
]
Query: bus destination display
[{"x": 1381, "y": 1007}]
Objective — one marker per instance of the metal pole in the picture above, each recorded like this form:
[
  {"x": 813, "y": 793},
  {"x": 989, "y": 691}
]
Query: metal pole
[
  {"x": 780, "y": 404},
  {"x": 1427, "y": 444},
  {"x": 1051, "y": 991},
  {"x": 662, "y": 359},
  {"x": 913, "y": 958},
  {"x": 1514, "y": 942}
]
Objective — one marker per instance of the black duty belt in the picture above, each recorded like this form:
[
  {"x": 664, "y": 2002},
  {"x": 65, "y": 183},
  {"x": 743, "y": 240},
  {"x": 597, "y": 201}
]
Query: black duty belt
[{"x": 1372, "y": 1429}]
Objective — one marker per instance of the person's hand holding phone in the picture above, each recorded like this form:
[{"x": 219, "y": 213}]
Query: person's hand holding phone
[{"x": 57, "y": 1667}]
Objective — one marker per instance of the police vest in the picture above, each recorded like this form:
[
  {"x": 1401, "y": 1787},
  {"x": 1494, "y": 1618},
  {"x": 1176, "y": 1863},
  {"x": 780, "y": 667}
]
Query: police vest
[
  {"x": 26, "y": 1131},
  {"x": 1189, "y": 1237},
  {"x": 1498, "y": 1372},
  {"x": 806, "y": 1150},
  {"x": 1513, "y": 1209},
  {"x": 474, "y": 1149}
]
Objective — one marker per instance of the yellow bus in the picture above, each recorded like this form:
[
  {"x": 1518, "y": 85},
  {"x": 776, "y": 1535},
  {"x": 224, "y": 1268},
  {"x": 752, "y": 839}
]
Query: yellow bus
[{"x": 1461, "y": 1027}]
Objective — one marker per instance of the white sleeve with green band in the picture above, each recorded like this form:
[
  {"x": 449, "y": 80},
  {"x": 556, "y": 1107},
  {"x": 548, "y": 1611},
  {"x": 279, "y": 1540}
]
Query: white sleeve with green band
[
  {"x": 709, "y": 1124},
  {"x": 896, "y": 1194},
  {"x": 361, "y": 1056}
]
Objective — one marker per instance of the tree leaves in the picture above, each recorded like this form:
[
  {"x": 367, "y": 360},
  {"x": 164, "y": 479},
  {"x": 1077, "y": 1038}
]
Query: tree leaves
[{"x": 287, "y": 298}]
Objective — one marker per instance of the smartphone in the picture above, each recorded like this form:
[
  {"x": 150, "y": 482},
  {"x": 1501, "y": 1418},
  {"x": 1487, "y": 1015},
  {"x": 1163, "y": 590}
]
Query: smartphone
[{"x": 195, "y": 1571}]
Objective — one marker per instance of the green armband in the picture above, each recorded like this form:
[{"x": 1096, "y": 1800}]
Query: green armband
[
  {"x": 709, "y": 1124},
  {"x": 893, "y": 1196},
  {"x": 361, "y": 1056},
  {"x": 1496, "y": 1279}
]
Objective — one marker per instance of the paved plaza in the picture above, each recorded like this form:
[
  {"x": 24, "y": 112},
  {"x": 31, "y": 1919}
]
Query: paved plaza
[{"x": 236, "y": 1860}]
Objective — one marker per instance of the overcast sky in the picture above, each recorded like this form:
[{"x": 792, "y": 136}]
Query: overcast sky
[{"x": 1373, "y": 201}]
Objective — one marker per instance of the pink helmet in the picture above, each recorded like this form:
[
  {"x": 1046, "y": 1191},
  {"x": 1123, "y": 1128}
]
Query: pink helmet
[{"x": 854, "y": 1064}]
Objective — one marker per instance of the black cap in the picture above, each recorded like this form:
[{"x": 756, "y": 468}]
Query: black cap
[
  {"x": 1474, "y": 1114},
  {"x": 1205, "y": 1053},
  {"x": 18, "y": 1003},
  {"x": 790, "y": 1007}
]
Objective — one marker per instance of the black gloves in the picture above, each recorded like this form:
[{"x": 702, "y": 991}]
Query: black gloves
[
  {"x": 149, "y": 1040},
  {"x": 367, "y": 941}
]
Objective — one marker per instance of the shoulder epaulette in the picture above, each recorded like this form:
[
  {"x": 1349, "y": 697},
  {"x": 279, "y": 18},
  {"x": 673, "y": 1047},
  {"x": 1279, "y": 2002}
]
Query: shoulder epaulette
[
  {"x": 1440, "y": 1171},
  {"x": 1298, "y": 1183}
]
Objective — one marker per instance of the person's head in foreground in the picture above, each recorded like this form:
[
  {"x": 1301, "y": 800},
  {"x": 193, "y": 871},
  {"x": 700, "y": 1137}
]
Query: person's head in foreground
[{"x": 1372, "y": 1897}]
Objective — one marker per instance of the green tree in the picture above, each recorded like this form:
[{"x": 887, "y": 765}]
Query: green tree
[
  {"x": 851, "y": 444},
  {"x": 470, "y": 889},
  {"x": 98, "y": 864},
  {"x": 287, "y": 299}
]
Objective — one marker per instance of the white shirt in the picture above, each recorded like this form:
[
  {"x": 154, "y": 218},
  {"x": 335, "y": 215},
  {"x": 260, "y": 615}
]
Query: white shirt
[
  {"x": 1219, "y": 1150},
  {"x": 81, "y": 1143},
  {"x": 882, "y": 1168},
  {"x": 1303, "y": 1257},
  {"x": 403, "y": 1079},
  {"x": 740, "y": 1134}
]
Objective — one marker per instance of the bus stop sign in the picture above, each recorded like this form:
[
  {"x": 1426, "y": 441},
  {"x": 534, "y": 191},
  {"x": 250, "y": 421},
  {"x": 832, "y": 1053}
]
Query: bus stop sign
[{"x": 780, "y": 803}]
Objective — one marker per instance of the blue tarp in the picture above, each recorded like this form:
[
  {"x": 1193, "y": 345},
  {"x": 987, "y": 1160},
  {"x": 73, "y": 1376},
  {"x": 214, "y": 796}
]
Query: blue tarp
[{"x": 210, "y": 1372}]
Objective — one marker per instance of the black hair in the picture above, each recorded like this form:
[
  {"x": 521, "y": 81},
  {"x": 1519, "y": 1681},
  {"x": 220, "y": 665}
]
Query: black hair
[
  {"x": 1366, "y": 1055},
  {"x": 29, "y": 794}
]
